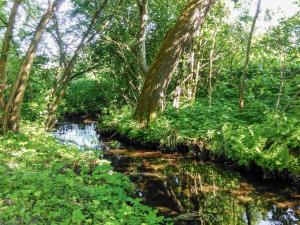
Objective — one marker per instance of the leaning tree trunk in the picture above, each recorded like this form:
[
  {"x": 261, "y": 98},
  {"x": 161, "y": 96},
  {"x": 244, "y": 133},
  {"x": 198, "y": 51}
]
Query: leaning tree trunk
[
  {"x": 242, "y": 83},
  {"x": 5, "y": 50},
  {"x": 14, "y": 104},
  {"x": 62, "y": 82},
  {"x": 176, "y": 42},
  {"x": 56, "y": 97}
]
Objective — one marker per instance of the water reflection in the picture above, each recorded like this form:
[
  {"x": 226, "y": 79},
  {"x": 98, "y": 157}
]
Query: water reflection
[
  {"x": 82, "y": 135},
  {"x": 195, "y": 192},
  {"x": 189, "y": 191}
]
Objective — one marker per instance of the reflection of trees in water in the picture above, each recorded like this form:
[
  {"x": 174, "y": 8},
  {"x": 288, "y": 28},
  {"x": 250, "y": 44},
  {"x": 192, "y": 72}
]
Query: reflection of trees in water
[
  {"x": 282, "y": 216},
  {"x": 202, "y": 193},
  {"x": 212, "y": 196}
]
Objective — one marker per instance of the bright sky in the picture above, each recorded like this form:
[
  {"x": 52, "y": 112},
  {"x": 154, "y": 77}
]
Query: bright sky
[{"x": 278, "y": 9}]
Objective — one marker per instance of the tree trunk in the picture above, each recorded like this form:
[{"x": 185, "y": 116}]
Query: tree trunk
[
  {"x": 176, "y": 42},
  {"x": 191, "y": 81},
  {"x": 242, "y": 82},
  {"x": 177, "y": 94},
  {"x": 211, "y": 61},
  {"x": 64, "y": 79},
  {"x": 197, "y": 66},
  {"x": 143, "y": 11},
  {"x": 5, "y": 50},
  {"x": 56, "y": 97},
  {"x": 196, "y": 80},
  {"x": 51, "y": 119},
  {"x": 282, "y": 67},
  {"x": 14, "y": 104}
]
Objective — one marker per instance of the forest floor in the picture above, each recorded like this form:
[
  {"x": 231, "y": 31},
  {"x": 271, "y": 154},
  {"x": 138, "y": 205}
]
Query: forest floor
[
  {"x": 267, "y": 141},
  {"x": 45, "y": 182}
]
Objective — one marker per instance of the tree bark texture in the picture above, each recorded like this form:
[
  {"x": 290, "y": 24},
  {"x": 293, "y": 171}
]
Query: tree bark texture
[
  {"x": 177, "y": 41},
  {"x": 143, "y": 12},
  {"x": 5, "y": 50},
  {"x": 13, "y": 106}
]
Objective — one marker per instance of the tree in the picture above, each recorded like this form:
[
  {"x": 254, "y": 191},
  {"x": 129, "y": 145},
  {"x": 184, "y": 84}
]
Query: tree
[
  {"x": 66, "y": 67},
  {"x": 211, "y": 61},
  {"x": 247, "y": 56},
  {"x": 143, "y": 13},
  {"x": 5, "y": 50},
  {"x": 177, "y": 41},
  {"x": 13, "y": 106}
]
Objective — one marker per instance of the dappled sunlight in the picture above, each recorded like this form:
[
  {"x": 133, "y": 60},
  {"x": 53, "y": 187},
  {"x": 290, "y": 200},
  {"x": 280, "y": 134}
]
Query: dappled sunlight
[
  {"x": 149, "y": 112},
  {"x": 39, "y": 174},
  {"x": 163, "y": 180}
]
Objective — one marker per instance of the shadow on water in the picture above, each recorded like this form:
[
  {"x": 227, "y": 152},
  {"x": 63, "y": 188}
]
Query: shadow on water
[{"x": 190, "y": 191}]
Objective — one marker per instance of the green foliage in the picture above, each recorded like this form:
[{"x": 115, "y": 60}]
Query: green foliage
[
  {"x": 121, "y": 120},
  {"x": 86, "y": 95},
  {"x": 44, "y": 182},
  {"x": 271, "y": 141},
  {"x": 273, "y": 144}
]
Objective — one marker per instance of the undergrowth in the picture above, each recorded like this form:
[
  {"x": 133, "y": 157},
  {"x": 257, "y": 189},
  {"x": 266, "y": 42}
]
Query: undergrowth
[
  {"x": 270, "y": 140},
  {"x": 44, "y": 182}
]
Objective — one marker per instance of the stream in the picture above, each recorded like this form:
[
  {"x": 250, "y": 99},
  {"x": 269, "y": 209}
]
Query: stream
[{"x": 191, "y": 191}]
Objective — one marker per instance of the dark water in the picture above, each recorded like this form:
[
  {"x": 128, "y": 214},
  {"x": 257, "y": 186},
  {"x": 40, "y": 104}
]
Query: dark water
[{"x": 189, "y": 191}]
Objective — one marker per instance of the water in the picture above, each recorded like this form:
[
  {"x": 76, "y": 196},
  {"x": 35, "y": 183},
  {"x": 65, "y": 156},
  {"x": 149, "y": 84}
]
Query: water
[
  {"x": 79, "y": 134},
  {"x": 190, "y": 191}
]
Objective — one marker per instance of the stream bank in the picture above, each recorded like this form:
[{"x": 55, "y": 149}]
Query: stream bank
[
  {"x": 267, "y": 145},
  {"x": 197, "y": 150},
  {"x": 191, "y": 191}
]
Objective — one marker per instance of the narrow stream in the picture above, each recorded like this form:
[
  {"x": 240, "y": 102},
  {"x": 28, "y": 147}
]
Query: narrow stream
[{"x": 190, "y": 191}]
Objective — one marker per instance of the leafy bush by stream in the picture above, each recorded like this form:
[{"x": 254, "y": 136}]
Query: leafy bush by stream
[
  {"x": 271, "y": 141},
  {"x": 44, "y": 182}
]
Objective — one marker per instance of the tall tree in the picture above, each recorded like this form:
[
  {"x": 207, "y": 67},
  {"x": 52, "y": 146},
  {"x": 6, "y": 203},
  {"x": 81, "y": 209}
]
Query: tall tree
[
  {"x": 177, "y": 41},
  {"x": 66, "y": 67},
  {"x": 13, "y": 106},
  {"x": 247, "y": 56},
  {"x": 143, "y": 12},
  {"x": 211, "y": 61},
  {"x": 5, "y": 49}
]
